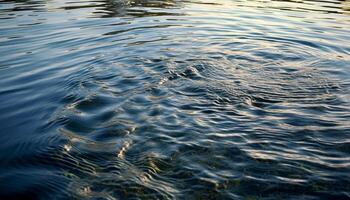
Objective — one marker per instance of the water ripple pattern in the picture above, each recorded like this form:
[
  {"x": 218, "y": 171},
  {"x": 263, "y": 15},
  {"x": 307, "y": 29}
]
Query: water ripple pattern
[{"x": 171, "y": 99}]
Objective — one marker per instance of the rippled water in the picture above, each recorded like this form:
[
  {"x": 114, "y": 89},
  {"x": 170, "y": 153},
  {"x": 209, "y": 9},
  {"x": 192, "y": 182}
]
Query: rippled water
[{"x": 195, "y": 99}]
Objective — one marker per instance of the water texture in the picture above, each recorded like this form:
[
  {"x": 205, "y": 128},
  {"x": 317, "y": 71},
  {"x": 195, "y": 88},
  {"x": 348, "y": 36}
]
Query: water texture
[{"x": 195, "y": 99}]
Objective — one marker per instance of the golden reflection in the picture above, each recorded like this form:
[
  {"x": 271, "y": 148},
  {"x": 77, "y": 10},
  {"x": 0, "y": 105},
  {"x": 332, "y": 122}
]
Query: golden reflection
[
  {"x": 84, "y": 191},
  {"x": 346, "y": 5},
  {"x": 124, "y": 148},
  {"x": 67, "y": 147}
]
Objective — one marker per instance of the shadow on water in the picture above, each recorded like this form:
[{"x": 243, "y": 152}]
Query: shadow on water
[
  {"x": 139, "y": 8},
  {"x": 144, "y": 8},
  {"x": 103, "y": 8}
]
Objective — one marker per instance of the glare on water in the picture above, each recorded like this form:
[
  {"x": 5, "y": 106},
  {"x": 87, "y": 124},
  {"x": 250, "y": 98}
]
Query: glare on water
[{"x": 172, "y": 99}]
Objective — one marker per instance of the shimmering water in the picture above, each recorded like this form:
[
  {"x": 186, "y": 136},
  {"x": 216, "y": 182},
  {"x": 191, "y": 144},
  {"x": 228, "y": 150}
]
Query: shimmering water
[{"x": 195, "y": 99}]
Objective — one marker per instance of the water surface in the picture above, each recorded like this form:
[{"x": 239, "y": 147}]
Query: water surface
[{"x": 196, "y": 99}]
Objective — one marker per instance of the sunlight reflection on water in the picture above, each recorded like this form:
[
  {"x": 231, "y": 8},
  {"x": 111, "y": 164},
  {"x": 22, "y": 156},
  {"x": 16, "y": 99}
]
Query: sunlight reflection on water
[{"x": 174, "y": 99}]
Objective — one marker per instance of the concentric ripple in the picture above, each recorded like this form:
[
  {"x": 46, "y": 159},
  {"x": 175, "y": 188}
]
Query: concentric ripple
[{"x": 174, "y": 99}]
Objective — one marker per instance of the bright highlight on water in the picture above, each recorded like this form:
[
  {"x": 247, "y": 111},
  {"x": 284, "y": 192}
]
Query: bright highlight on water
[{"x": 171, "y": 99}]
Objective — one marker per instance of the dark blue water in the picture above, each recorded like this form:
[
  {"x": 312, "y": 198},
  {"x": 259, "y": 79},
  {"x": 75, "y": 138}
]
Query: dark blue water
[{"x": 195, "y": 99}]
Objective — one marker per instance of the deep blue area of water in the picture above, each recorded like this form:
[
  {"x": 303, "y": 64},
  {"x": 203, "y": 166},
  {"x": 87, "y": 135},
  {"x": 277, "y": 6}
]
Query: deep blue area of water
[{"x": 195, "y": 99}]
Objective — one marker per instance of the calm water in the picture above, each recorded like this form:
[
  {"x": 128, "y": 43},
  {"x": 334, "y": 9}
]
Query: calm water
[{"x": 195, "y": 99}]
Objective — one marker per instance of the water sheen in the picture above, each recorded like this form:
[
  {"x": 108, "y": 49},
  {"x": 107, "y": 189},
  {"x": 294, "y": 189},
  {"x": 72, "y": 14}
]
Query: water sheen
[{"x": 195, "y": 99}]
